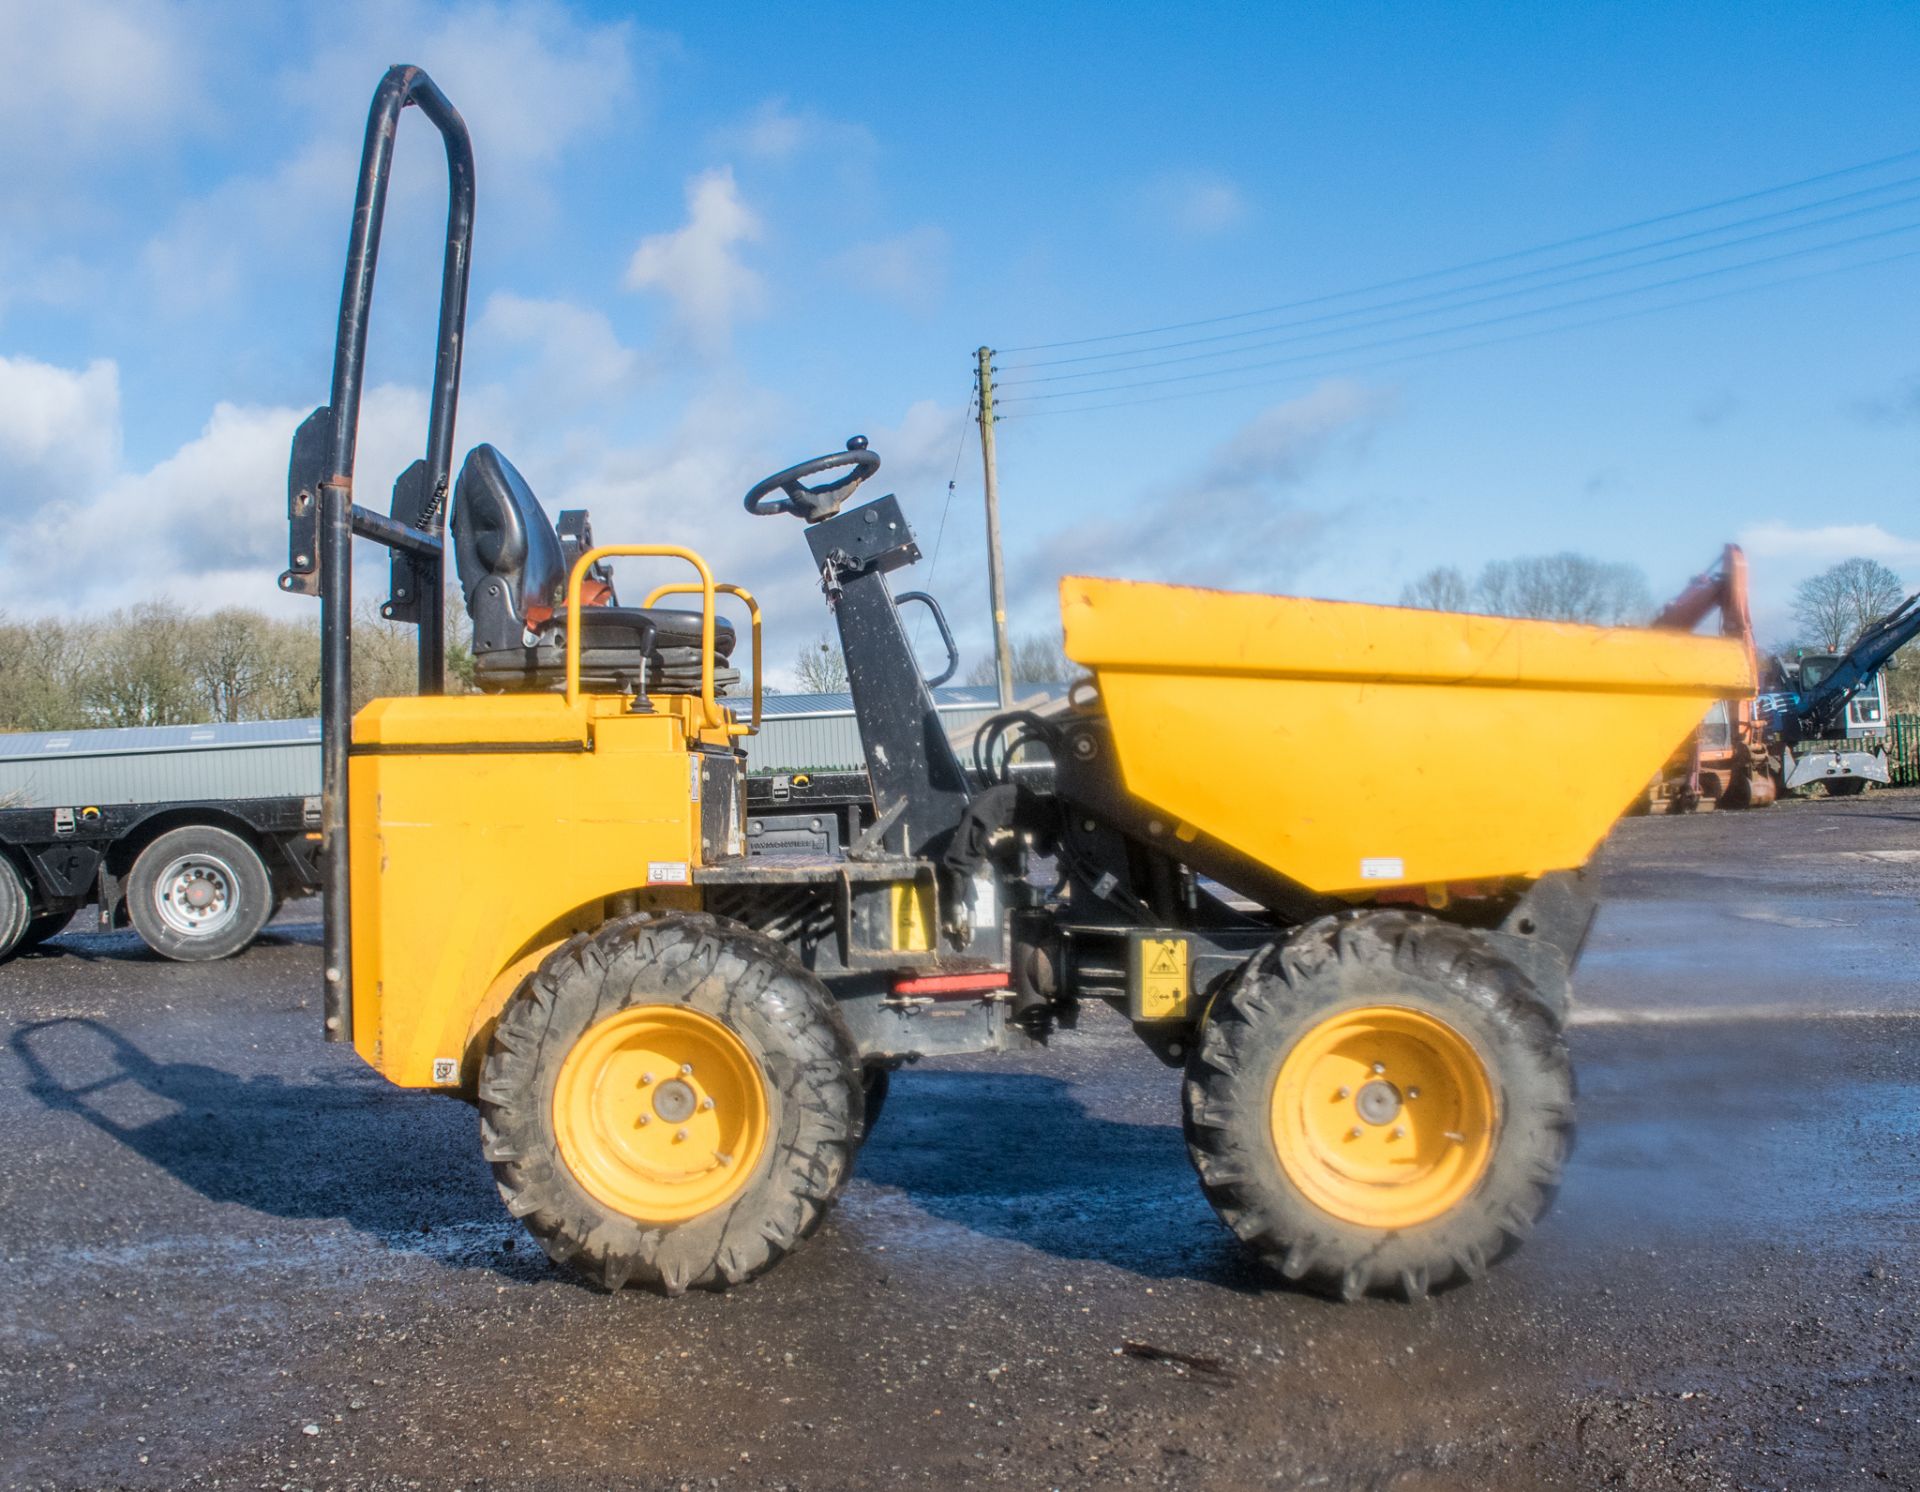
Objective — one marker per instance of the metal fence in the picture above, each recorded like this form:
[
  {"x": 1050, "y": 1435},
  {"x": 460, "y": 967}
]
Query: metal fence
[{"x": 1903, "y": 749}]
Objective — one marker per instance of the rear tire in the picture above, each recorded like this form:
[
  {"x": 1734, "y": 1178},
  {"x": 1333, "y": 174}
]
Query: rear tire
[
  {"x": 198, "y": 893},
  {"x": 16, "y": 916},
  {"x": 40, "y": 928},
  {"x": 761, "y": 1072},
  {"x": 1380, "y": 1186}
]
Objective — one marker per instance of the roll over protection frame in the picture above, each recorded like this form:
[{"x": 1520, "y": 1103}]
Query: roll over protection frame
[{"x": 322, "y": 517}]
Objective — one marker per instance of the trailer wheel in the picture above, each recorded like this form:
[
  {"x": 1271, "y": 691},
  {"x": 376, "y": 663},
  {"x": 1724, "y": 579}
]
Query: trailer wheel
[
  {"x": 1379, "y": 1103},
  {"x": 198, "y": 893},
  {"x": 672, "y": 1102},
  {"x": 15, "y": 909},
  {"x": 40, "y": 928}
]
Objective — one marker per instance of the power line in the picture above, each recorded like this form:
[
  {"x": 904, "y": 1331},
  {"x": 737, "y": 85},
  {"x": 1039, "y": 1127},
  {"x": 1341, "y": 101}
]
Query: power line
[
  {"x": 1442, "y": 331},
  {"x": 953, "y": 477},
  {"x": 1473, "y": 264},
  {"x": 1405, "y": 357},
  {"x": 1458, "y": 290}
]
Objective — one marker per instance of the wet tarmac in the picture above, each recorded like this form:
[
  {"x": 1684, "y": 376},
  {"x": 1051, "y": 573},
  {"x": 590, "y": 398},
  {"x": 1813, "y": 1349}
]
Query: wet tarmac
[{"x": 230, "y": 1256}]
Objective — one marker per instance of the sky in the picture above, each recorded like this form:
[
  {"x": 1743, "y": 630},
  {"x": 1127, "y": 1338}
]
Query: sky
[{"x": 716, "y": 240}]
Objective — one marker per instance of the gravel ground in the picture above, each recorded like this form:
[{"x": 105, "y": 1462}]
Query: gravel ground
[{"x": 231, "y": 1256}]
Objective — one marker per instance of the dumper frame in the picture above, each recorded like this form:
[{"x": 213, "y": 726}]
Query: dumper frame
[{"x": 541, "y": 898}]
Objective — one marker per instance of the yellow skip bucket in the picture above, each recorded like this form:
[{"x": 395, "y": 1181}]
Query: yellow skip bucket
[{"x": 1353, "y": 747}]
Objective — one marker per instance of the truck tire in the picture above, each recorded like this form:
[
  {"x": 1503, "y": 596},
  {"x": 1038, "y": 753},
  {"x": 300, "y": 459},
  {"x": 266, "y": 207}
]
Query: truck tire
[
  {"x": 198, "y": 893},
  {"x": 1379, "y": 1103},
  {"x": 655, "y": 1033},
  {"x": 40, "y": 928},
  {"x": 16, "y": 914}
]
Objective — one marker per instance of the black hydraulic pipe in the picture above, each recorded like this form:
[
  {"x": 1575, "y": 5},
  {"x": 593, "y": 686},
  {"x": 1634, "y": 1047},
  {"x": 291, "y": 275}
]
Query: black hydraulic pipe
[{"x": 400, "y": 87}]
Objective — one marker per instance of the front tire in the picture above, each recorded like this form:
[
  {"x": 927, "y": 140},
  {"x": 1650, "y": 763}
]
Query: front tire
[
  {"x": 198, "y": 893},
  {"x": 1379, "y": 1103},
  {"x": 670, "y": 1101}
]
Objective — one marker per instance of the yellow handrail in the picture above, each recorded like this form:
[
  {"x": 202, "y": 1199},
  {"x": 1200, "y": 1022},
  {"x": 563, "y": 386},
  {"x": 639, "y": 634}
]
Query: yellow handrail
[
  {"x": 709, "y": 706},
  {"x": 687, "y": 587}
]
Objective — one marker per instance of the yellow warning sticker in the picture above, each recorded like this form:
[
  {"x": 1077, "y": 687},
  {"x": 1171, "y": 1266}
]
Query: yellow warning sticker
[{"x": 1163, "y": 978}]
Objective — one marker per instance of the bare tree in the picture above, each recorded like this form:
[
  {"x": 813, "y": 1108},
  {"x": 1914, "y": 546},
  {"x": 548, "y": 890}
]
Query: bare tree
[
  {"x": 1037, "y": 657},
  {"x": 1565, "y": 587},
  {"x": 1442, "y": 588},
  {"x": 820, "y": 667},
  {"x": 1841, "y": 602},
  {"x": 143, "y": 669}
]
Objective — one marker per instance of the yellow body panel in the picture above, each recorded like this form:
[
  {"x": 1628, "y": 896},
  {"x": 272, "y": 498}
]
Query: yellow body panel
[
  {"x": 487, "y": 826},
  {"x": 1356, "y": 747}
]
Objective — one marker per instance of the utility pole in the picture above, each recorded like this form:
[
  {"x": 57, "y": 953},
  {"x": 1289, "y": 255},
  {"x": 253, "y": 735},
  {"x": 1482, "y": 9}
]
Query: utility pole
[{"x": 996, "y": 567}]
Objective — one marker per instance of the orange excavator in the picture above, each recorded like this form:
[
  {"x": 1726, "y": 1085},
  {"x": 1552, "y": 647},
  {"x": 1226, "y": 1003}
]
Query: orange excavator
[{"x": 1726, "y": 762}]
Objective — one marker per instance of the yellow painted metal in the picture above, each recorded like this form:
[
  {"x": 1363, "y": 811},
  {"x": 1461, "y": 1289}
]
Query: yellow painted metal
[
  {"x": 1384, "y": 1116},
  {"x": 689, "y": 587},
  {"x": 1356, "y": 747},
  {"x": 486, "y": 826},
  {"x": 576, "y": 578},
  {"x": 912, "y": 916},
  {"x": 660, "y": 1112}
]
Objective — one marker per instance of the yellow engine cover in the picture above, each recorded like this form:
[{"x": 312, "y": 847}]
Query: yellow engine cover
[
  {"x": 485, "y": 826},
  {"x": 1353, "y": 748}
]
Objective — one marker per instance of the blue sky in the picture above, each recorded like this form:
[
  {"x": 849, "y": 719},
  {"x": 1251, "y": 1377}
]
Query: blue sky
[{"x": 714, "y": 240}]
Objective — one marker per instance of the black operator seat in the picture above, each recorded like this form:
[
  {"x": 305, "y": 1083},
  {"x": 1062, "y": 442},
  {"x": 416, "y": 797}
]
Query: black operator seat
[{"x": 513, "y": 571}]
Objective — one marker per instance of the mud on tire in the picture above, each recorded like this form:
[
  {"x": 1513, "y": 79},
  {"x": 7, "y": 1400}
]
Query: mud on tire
[
  {"x": 1352, "y": 962},
  {"x": 790, "y": 1026}
]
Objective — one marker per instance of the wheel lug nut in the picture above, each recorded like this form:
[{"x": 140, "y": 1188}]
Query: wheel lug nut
[
  {"x": 1413, "y": 1093},
  {"x": 645, "y": 1078},
  {"x": 686, "y": 1069},
  {"x": 1354, "y": 1133},
  {"x": 1399, "y": 1132},
  {"x": 706, "y": 1103},
  {"x": 646, "y": 1119},
  {"x": 1378, "y": 1068},
  {"x": 1345, "y": 1092},
  {"x": 680, "y": 1134}
]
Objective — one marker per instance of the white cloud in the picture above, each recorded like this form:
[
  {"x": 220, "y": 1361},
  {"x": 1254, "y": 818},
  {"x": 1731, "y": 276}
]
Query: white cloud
[
  {"x": 59, "y": 430},
  {"x": 84, "y": 78},
  {"x": 1236, "y": 522},
  {"x": 206, "y": 525},
  {"x": 1816, "y": 547},
  {"x": 698, "y": 266},
  {"x": 909, "y": 269},
  {"x": 529, "y": 78},
  {"x": 574, "y": 353},
  {"x": 776, "y": 132},
  {"x": 1195, "y": 204}
]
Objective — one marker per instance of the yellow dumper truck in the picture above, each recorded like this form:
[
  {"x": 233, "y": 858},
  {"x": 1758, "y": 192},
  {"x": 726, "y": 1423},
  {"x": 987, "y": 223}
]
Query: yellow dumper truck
[{"x": 544, "y": 897}]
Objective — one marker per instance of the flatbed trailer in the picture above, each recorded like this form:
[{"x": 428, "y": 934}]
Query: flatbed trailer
[{"x": 196, "y": 878}]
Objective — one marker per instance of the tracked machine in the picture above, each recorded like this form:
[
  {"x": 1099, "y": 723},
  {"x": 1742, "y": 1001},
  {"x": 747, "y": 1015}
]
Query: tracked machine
[{"x": 540, "y": 897}]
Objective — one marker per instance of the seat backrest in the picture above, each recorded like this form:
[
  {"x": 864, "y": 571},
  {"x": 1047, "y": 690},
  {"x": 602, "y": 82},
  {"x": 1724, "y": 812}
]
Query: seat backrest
[{"x": 505, "y": 549}]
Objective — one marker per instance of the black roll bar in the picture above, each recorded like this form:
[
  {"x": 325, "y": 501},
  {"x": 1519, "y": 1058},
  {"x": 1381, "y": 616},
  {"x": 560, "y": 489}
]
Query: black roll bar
[{"x": 322, "y": 518}]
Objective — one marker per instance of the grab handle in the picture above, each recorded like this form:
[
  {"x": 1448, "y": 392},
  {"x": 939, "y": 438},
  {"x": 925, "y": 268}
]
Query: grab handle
[
  {"x": 946, "y": 636},
  {"x": 709, "y": 706},
  {"x": 688, "y": 587}
]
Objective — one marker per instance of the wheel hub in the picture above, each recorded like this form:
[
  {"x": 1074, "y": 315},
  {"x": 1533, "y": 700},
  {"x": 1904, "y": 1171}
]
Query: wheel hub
[
  {"x": 195, "y": 895},
  {"x": 661, "y": 1152},
  {"x": 1378, "y": 1102},
  {"x": 1384, "y": 1116},
  {"x": 674, "y": 1101}
]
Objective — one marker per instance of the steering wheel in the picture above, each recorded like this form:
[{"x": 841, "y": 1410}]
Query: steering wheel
[{"x": 816, "y": 503}]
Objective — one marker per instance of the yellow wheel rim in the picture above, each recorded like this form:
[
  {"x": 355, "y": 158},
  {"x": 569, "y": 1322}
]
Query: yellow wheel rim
[
  {"x": 660, "y": 1112},
  {"x": 1384, "y": 1116}
]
